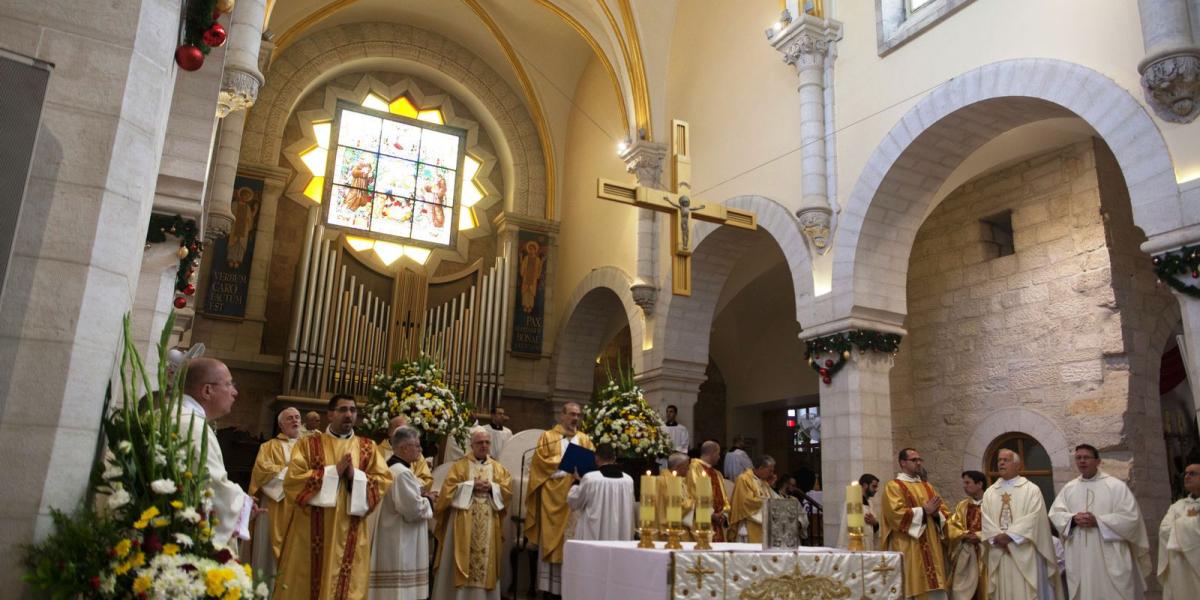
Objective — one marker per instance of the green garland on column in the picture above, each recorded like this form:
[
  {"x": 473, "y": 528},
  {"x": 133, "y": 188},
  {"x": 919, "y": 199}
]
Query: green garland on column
[
  {"x": 1171, "y": 266},
  {"x": 840, "y": 344},
  {"x": 190, "y": 247}
]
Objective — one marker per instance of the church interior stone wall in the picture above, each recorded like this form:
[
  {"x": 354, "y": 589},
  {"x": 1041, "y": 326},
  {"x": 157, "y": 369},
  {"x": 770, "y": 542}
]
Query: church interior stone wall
[{"x": 1063, "y": 326}]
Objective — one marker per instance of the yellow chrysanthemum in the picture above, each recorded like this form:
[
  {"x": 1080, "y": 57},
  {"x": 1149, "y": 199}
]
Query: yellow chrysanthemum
[
  {"x": 138, "y": 560},
  {"x": 248, "y": 569},
  {"x": 141, "y": 584},
  {"x": 149, "y": 513},
  {"x": 232, "y": 594},
  {"x": 160, "y": 522},
  {"x": 140, "y": 524},
  {"x": 170, "y": 549},
  {"x": 122, "y": 548},
  {"x": 176, "y": 504},
  {"x": 122, "y": 568}
]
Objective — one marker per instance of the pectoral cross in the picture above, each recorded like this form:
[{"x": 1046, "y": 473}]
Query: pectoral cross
[{"x": 680, "y": 205}]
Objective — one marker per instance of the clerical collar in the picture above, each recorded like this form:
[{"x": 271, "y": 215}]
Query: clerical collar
[
  {"x": 905, "y": 477},
  {"x": 976, "y": 501},
  {"x": 672, "y": 423},
  {"x": 396, "y": 460},
  {"x": 195, "y": 407},
  {"x": 501, "y": 428},
  {"x": 1010, "y": 482},
  {"x": 1099, "y": 475},
  {"x": 1193, "y": 497},
  {"x": 346, "y": 436},
  {"x": 482, "y": 461}
]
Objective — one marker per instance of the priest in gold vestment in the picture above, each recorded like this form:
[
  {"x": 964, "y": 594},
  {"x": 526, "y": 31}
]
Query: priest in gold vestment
[
  {"x": 968, "y": 572},
  {"x": 473, "y": 500},
  {"x": 546, "y": 507},
  {"x": 1179, "y": 541},
  {"x": 266, "y": 482},
  {"x": 1021, "y": 562},
  {"x": 678, "y": 463},
  {"x": 335, "y": 479},
  {"x": 701, "y": 472},
  {"x": 750, "y": 491},
  {"x": 914, "y": 524}
]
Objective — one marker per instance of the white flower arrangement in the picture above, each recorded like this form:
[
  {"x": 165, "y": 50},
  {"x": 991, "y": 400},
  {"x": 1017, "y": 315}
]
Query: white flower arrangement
[
  {"x": 416, "y": 390},
  {"x": 163, "y": 486},
  {"x": 118, "y": 499},
  {"x": 620, "y": 416}
]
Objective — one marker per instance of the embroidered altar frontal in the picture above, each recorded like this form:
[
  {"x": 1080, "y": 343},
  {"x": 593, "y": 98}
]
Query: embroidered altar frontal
[{"x": 785, "y": 575}]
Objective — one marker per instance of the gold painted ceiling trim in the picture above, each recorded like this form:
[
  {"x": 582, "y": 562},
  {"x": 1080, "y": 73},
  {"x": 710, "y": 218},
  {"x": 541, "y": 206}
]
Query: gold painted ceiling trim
[
  {"x": 637, "y": 78},
  {"x": 638, "y": 67},
  {"x": 535, "y": 107},
  {"x": 599, "y": 52}
]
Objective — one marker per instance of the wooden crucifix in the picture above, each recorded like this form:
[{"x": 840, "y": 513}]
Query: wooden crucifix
[{"x": 680, "y": 205}]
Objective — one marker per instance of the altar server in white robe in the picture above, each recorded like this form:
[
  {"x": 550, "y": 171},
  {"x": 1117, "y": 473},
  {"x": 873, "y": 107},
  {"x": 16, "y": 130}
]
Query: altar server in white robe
[
  {"x": 602, "y": 500},
  {"x": 1021, "y": 562},
  {"x": 1179, "y": 542},
  {"x": 209, "y": 393},
  {"x": 400, "y": 547},
  {"x": 1103, "y": 534},
  {"x": 500, "y": 434},
  {"x": 678, "y": 434}
]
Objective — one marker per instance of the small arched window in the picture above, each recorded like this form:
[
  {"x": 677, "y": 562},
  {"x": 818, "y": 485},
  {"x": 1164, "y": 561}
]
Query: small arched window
[{"x": 1035, "y": 462}]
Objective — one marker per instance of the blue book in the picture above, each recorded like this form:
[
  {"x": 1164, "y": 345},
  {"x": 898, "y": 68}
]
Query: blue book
[{"x": 578, "y": 459}]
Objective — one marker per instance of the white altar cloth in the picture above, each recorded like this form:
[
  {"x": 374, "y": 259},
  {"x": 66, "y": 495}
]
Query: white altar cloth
[{"x": 622, "y": 571}]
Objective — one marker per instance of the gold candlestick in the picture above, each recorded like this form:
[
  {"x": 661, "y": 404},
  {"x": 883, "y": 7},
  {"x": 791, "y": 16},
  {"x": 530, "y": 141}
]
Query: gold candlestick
[
  {"x": 855, "y": 543},
  {"x": 673, "y": 537},
  {"x": 647, "y": 537},
  {"x": 703, "y": 538}
]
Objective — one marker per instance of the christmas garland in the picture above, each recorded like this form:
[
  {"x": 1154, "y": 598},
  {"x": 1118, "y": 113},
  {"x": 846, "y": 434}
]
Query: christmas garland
[
  {"x": 190, "y": 247},
  {"x": 201, "y": 31},
  {"x": 840, "y": 345},
  {"x": 1169, "y": 266}
]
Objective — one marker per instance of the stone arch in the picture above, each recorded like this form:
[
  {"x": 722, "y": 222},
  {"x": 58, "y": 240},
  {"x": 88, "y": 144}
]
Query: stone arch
[
  {"x": 331, "y": 52},
  {"x": 683, "y": 333},
  {"x": 602, "y": 292},
  {"x": 1030, "y": 422},
  {"x": 896, "y": 188}
]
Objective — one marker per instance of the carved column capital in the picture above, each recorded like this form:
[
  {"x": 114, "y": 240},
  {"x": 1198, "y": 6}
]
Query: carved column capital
[
  {"x": 645, "y": 160},
  {"x": 644, "y": 295},
  {"x": 1172, "y": 86},
  {"x": 816, "y": 224},
  {"x": 239, "y": 90},
  {"x": 806, "y": 41}
]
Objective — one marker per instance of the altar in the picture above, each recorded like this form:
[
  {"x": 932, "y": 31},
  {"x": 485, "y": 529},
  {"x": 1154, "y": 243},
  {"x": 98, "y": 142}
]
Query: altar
[{"x": 621, "y": 570}]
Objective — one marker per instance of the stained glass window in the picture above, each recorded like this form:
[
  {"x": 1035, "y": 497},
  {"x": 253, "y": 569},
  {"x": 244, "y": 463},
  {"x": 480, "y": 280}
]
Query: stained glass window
[{"x": 390, "y": 176}]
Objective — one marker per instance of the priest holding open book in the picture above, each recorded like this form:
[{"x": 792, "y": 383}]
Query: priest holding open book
[{"x": 546, "y": 502}]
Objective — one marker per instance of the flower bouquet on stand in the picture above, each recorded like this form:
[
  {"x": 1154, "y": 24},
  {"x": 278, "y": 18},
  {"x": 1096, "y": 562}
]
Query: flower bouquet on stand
[
  {"x": 145, "y": 530},
  {"x": 417, "y": 390},
  {"x": 620, "y": 416}
]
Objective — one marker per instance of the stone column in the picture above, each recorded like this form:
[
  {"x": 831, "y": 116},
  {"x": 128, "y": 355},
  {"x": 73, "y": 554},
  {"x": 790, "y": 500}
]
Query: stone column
[
  {"x": 240, "y": 82},
  {"x": 856, "y": 428},
  {"x": 78, "y": 245},
  {"x": 152, "y": 300},
  {"x": 645, "y": 160},
  {"x": 1189, "y": 309},
  {"x": 241, "y": 79},
  {"x": 1171, "y": 69},
  {"x": 674, "y": 382},
  {"x": 806, "y": 43}
]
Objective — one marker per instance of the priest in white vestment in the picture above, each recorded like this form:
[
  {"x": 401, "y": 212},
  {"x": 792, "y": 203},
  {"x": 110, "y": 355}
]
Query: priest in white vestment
[
  {"x": 500, "y": 434},
  {"x": 1103, "y": 534},
  {"x": 266, "y": 484},
  {"x": 209, "y": 393},
  {"x": 472, "y": 502},
  {"x": 400, "y": 546},
  {"x": 1179, "y": 542},
  {"x": 678, "y": 434},
  {"x": 602, "y": 500},
  {"x": 870, "y": 487},
  {"x": 1021, "y": 564}
]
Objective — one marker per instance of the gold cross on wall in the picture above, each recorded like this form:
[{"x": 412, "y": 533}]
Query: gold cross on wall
[
  {"x": 680, "y": 205},
  {"x": 699, "y": 571}
]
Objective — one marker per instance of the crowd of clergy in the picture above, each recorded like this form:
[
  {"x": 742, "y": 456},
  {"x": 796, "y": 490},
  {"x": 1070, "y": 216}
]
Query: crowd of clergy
[
  {"x": 335, "y": 515},
  {"x": 1002, "y": 542}
]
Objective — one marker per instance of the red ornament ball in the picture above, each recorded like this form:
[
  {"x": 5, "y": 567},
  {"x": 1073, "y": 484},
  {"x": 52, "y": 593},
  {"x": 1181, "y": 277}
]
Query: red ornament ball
[
  {"x": 826, "y": 379},
  {"x": 828, "y": 362},
  {"x": 180, "y": 302},
  {"x": 215, "y": 35},
  {"x": 189, "y": 58},
  {"x": 824, "y": 372},
  {"x": 189, "y": 289}
]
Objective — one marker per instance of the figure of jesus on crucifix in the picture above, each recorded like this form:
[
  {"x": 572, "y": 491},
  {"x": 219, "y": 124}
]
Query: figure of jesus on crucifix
[
  {"x": 677, "y": 203},
  {"x": 684, "y": 209}
]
